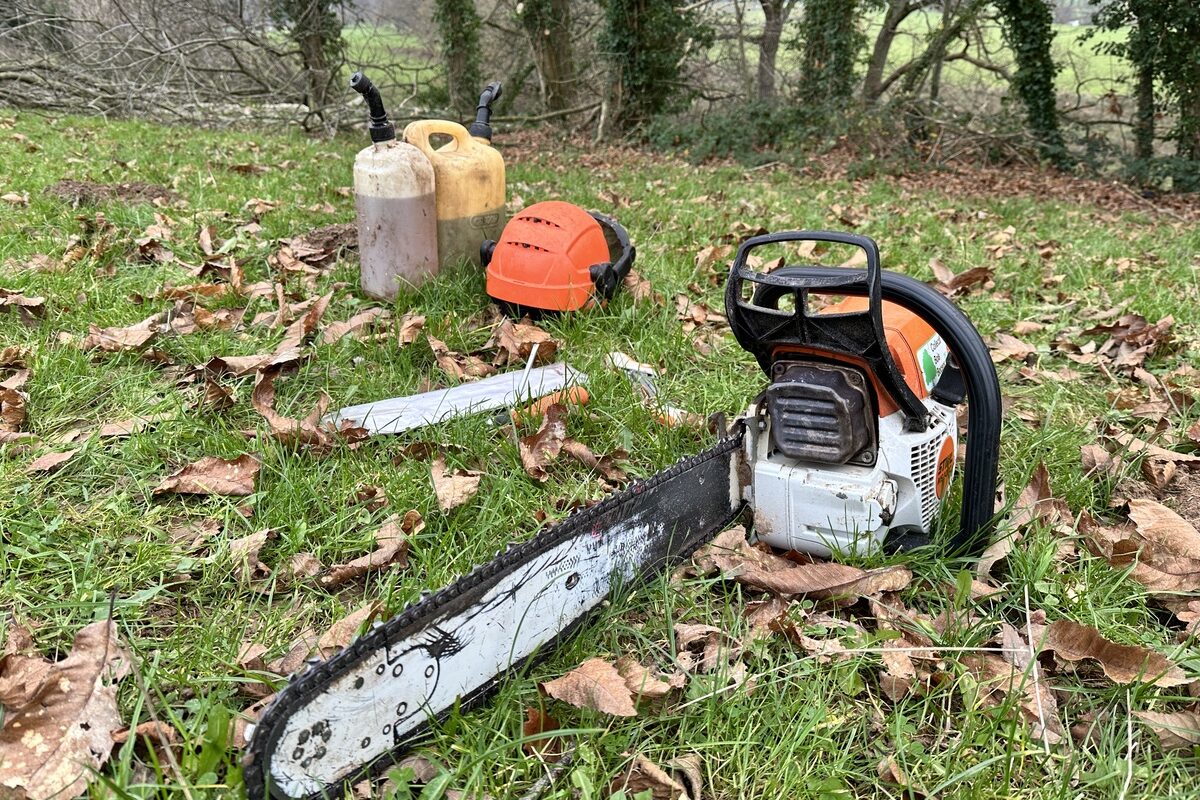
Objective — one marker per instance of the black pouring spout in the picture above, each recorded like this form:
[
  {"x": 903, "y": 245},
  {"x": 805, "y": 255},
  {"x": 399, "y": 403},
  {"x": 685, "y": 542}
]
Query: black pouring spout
[
  {"x": 381, "y": 128},
  {"x": 481, "y": 127}
]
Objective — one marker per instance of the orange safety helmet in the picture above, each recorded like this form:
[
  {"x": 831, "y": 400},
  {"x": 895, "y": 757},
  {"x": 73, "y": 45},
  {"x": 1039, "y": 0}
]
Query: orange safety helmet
[{"x": 554, "y": 256}]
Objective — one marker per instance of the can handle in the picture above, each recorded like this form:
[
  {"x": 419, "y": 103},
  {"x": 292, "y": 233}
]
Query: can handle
[{"x": 418, "y": 133}]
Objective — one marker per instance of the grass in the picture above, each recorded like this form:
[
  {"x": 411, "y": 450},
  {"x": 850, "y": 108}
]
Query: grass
[{"x": 92, "y": 535}]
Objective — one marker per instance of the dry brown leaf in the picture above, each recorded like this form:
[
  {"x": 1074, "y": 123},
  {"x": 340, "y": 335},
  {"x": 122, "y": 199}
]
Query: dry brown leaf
[
  {"x": 951, "y": 284},
  {"x": 1169, "y": 533},
  {"x": 1136, "y": 447},
  {"x": 1072, "y": 641},
  {"x": 1005, "y": 346},
  {"x": 1175, "y": 730},
  {"x": 595, "y": 684},
  {"x": 704, "y": 648},
  {"x": 306, "y": 432},
  {"x": 734, "y": 557},
  {"x": 50, "y": 461},
  {"x": 605, "y": 465},
  {"x": 1099, "y": 462},
  {"x": 644, "y": 683},
  {"x": 304, "y": 565},
  {"x": 53, "y": 745},
  {"x": 245, "y": 552},
  {"x": 998, "y": 679},
  {"x": 212, "y": 475},
  {"x": 453, "y": 487},
  {"x": 342, "y": 632},
  {"x": 513, "y": 343},
  {"x": 299, "y": 331},
  {"x": 357, "y": 325},
  {"x": 244, "y": 365},
  {"x": 411, "y": 326},
  {"x": 391, "y": 550},
  {"x": 538, "y": 723},
  {"x": 539, "y": 449},
  {"x": 639, "y": 288},
  {"x": 644, "y": 776},
  {"x": 193, "y": 534},
  {"x": 117, "y": 340},
  {"x": 456, "y": 365},
  {"x": 12, "y": 409}
]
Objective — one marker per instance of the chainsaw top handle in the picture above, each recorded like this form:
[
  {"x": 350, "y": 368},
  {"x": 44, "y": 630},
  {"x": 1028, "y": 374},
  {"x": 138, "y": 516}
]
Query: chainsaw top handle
[{"x": 760, "y": 329}]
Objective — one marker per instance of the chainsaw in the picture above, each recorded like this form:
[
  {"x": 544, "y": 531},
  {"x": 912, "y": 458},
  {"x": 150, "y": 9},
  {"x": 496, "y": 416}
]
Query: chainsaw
[{"x": 851, "y": 447}]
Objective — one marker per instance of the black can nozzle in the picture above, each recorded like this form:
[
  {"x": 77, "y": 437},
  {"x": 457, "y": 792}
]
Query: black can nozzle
[
  {"x": 381, "y": 128},
  {"x": 481, "y": 127}
]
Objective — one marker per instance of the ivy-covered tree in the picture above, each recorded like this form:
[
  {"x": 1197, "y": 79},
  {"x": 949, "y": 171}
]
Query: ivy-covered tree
[
  {"x": 316, "y": 28},
  {"x": 1163, "y": 44},
  {"x": 830, "y": 42},
  {"x": 645, "y": 42},
  {"x": 458, "y": 22},
  {"x": 1029, "y": 29},
  {"x": 547, "y": 23}
]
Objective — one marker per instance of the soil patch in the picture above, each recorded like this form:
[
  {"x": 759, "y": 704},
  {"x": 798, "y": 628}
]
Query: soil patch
[{"x": 79, "y": 193}]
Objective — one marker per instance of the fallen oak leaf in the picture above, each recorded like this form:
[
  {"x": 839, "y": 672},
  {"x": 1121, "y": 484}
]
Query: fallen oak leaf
[
  {"x": 643, "y": 683},
  {"x": 245, "y": 551},
  {"x": 356, "y": 325},
  {"x": 411, "y": 326},
  {"x": 1175, "y": 730},
  {"x": 54, "y": 744},
  {"x": 998, "y": 679},
  {"x": 342, "y": 633},
  {"x": 514, "y": 342},
  {"x": 457, "y": 365},
  {"x": 595, "y": 684},
  {"x": 50, "y": 462},
  {"x": 212, "y": 475},
  {"x": 1072, "y": 641},
  {"x": 391, "y": 550},
  {"x": 289, "y": 431},
  {"x": 536, "y": 724},
  {"x": 453, "y": 487},
  {"x": 645, "y": 777},
  {"x": 539, "y": 449}
]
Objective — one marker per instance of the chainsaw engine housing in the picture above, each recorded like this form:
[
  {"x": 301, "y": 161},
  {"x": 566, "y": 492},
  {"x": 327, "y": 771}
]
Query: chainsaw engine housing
[
  {"x": 824, "y": 508},
  {"x": 854, "y": 442}
]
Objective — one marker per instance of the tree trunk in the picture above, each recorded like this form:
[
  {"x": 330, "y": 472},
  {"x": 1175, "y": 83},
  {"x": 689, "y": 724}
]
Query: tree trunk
[
  {"x": 831, "y": 45},
  {"x": 776, "y": 14},
  {"x": 548, "y": 25},
  {"x": 1143, "y": 123},
  {"x": 872, "y": 88},
  {"x": 1028, "y": 26},
  {"x": 458, "y": 22}
]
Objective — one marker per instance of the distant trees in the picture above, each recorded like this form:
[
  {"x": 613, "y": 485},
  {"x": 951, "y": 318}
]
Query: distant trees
[
  {"x": 645, "y": 42},
  {"x": 316, "y": 28},
  {"x": 1029, "y": 29},
  {"x": 458, "y": 23},
  {"x": 1163, "y": 45},
  {"x": 547, "y": 24},
  {"x": 830, "y": 42}
]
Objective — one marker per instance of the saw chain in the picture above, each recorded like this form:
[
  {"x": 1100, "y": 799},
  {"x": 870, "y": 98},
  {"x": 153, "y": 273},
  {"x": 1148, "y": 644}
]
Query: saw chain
[{"x": 349, "y": 717}]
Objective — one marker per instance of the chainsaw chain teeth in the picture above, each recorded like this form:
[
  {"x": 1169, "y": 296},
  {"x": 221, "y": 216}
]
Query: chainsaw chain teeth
[{"x": 314, "y": 677}]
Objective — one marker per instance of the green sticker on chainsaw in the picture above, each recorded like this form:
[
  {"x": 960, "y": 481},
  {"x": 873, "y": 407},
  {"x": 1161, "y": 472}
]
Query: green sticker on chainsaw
[{"x": 932, "y": 356}]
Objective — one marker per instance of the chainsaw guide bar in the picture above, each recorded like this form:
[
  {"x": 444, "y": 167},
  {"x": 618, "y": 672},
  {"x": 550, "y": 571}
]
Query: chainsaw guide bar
[{"x": 353, "y": 716}]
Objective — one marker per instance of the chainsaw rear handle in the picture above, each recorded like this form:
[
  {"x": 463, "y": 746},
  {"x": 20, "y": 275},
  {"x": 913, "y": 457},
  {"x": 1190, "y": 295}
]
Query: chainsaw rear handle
[{"x": 975, "y": 369}]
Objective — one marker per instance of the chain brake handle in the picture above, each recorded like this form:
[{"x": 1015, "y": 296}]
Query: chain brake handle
[{"x": 762, "y": 329}]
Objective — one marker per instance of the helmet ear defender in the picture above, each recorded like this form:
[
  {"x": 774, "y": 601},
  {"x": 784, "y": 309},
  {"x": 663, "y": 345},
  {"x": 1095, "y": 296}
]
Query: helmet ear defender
[{"x": 554, "y": 256}]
